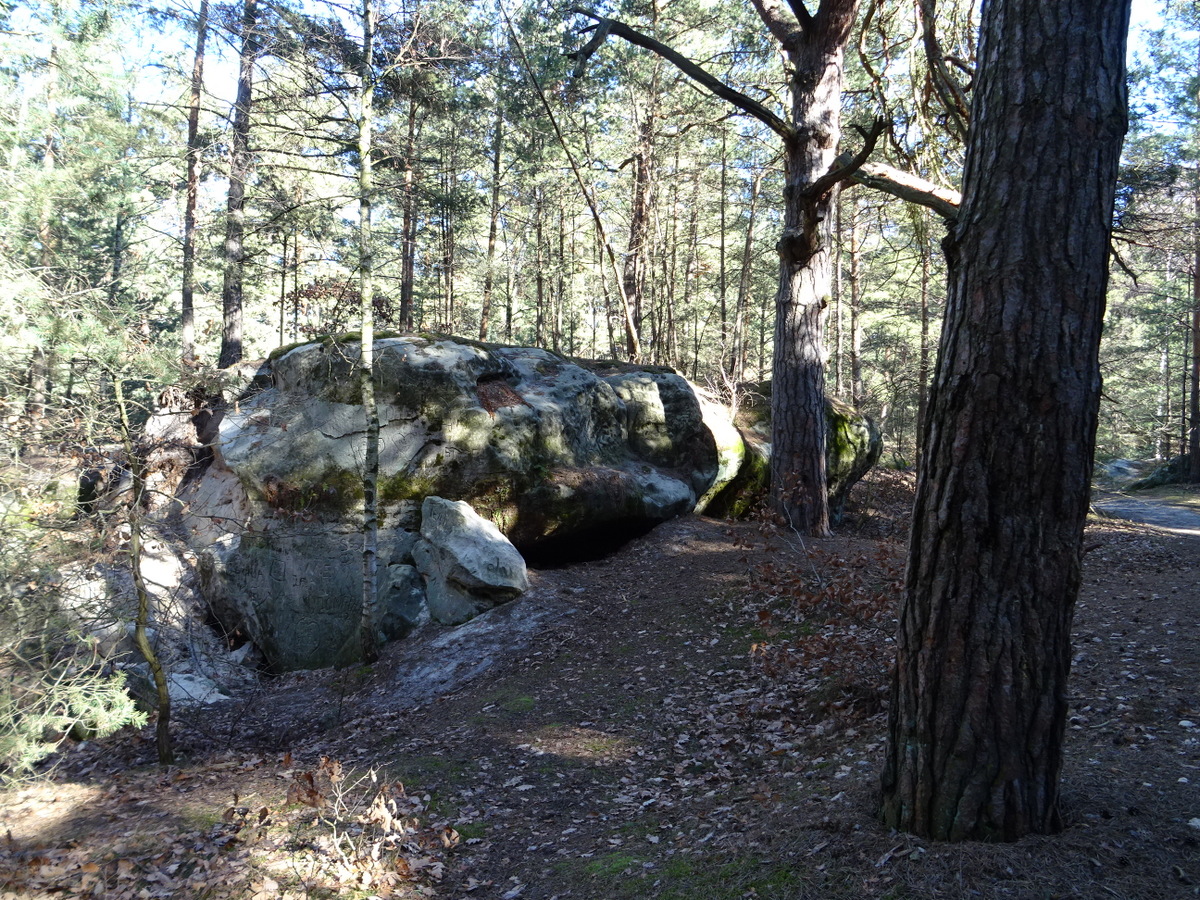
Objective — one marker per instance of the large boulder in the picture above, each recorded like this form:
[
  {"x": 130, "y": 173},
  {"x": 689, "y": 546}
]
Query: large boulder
[
  {"x": 547, "y": 450},
  {"x": 853, "y": 445},
  {"x": 538, "y": 444},
  {"x": 542, "y": 447}
]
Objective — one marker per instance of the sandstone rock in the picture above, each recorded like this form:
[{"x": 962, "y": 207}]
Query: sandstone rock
[
  {"x": 297, "y": 594},
  {"x": 467, "y": 564},
  {"x": 544, "y": 448},
  {"x": 541, "y": 446},
  {"x": 853, "y": 445}
]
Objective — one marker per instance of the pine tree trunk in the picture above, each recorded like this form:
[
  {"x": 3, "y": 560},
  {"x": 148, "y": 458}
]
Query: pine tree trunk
[
  {"x": 560, "y": 292},
  {"x": 639, "y": 219},
  {"x": 489, "y": 274},
  {"x": 839, "y": 297},
  {"x": 727, "y": 354},
  {"x": 187, "y": 323},
  {"x": 235, "y": 216},
  {"x": 979, "y": 695},
  {"x": 283, "y": 268},
  {"x": 926, "y": 252},
  {"x": 1162, "y": 439},
  {"x": 798, "y": 485},
  {"x": 1194, "y": 402},
  {"x": 539, "y": 273},
  {"x": 45, "y": 228},
  {"x": 737, "y": 355},
  {"x": 408, "y": 225},
  {"x": 857, "y": 391}
]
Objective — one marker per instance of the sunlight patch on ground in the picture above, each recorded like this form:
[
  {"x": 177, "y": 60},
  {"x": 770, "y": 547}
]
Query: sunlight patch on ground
[
  {"x": 36, "y": 812},
  {"x": 581, "y": 742}
]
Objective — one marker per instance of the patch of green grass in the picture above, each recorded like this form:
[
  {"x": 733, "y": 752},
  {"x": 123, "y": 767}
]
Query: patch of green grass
[
  {"x": 518, "y": 704},
  {"x": 416, "y": 771},
  {"x": 748, "y": 876},
  {"x": 686, "y": 877},
  {"x": 471, "y": 830},
  {"x": 611, "y": 864},
  {"x": 606, "y": 743}
]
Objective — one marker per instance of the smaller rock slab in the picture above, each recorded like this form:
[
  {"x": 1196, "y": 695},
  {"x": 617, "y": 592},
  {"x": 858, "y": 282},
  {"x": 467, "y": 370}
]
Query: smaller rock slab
[{"x": 468, "y": 565}]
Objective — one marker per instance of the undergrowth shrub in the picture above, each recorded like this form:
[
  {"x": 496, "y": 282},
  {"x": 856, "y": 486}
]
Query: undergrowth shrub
[{"x": 53, "y": 681}]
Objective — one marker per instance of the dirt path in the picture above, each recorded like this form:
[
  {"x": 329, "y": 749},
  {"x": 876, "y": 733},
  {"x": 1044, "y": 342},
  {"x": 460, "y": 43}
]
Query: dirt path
[{"x": 1154, "y": 511}]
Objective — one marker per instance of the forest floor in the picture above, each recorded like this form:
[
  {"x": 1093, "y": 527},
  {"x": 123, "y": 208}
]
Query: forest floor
[{"x": 699, "y": 715}]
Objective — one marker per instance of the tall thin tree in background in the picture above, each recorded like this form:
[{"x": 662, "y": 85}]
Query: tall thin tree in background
[
  {"x": 235, "y": 214},
  {"x": 369, "y": 628},
  {"x": 489, "y": 275},
  {"x": 814, "y": 44},
  {"x": 187, "y": 325}
]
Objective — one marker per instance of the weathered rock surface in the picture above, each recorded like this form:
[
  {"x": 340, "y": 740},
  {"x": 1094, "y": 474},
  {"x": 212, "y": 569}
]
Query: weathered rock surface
[
  {"x": 853, "y": 445},
  {"x": 541, "y": 447},
  {"x": 467, "y": 564},
  {"x": 538, "y": 445}
]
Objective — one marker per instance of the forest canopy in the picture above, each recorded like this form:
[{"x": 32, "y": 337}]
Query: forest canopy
[{"x": 480, "y": 227}]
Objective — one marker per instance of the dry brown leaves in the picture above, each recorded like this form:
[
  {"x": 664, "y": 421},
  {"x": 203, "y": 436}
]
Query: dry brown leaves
[{"x": 339, "y": 832}]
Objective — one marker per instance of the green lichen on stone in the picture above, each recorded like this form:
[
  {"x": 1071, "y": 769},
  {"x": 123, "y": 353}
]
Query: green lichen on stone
[
  {"x": 405, "y": 486},
  {"x": 743, "y": 494},
  {"x": 345, "y": 337},
  {"x": 845, "y": 439},
  {"x": 497, "y": 500}
]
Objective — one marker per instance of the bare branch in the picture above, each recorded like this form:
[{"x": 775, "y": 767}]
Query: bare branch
[
  {"x": 846, "y": 165},
  {"x": 942, "y": 200},
  {"x": 714, "y": 85},
  {"x": 801, "y": 13},
  {"x": 582, "y": 55},
  {"x": 949, "y": 91}
]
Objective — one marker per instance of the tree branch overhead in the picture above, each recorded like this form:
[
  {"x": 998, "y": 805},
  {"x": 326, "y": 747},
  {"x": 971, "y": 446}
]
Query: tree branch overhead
[
  {"x": 718, "y": 88},
  {"x": 785, "y": 29}
]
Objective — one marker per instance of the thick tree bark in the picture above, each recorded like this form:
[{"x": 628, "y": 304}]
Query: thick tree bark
[
  {"x": 979, "y": 696},
  {"x": 187, "y": 324},
  {"x": 235, "y": 215},
  {"x": 815, "y": 51}
]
